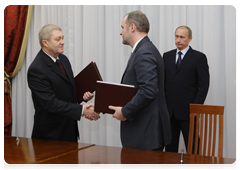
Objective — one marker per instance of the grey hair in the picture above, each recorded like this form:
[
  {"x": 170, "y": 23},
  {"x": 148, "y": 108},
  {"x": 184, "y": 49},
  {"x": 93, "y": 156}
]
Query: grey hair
[{"x": 46, "y": 32}]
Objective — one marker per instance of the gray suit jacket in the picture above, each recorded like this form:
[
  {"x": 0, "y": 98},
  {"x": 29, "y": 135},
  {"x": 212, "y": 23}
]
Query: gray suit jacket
[{"x": 147, "y": 125}]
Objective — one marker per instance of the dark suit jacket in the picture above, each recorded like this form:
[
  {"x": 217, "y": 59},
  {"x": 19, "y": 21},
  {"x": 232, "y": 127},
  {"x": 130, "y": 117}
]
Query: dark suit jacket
[
  {"x": 54, "y": 98},
  {"x": 188, "y": 84},
  {"x": 147, "y": 125}
]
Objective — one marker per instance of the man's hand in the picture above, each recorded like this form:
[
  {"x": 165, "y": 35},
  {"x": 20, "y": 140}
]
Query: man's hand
[
  {"x": 89, "y": 113},
  {"x": 118, "y": 113},
  {"x": 88, "y": 96}
]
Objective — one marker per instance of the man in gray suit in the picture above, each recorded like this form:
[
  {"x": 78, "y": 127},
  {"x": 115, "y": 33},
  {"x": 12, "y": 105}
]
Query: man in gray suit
[{"x": 145, "y": 122}]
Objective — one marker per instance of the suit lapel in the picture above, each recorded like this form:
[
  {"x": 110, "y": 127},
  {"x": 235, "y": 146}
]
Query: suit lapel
[
  {"x": 55, "y": 67},
  {"x": 130, "y": 59},
  {"x": 145, "y": 39},
  {"x": 185, "y": 59},
  {"x": 68, "y": 72}
]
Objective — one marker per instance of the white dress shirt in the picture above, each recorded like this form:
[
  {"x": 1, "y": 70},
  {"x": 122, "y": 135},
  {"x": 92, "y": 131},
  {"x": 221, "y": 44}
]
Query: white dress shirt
[
  {"x": 135, "y": 45},
  {"x": 183, "y": 53},
  {"x": 54, "y": 59}
]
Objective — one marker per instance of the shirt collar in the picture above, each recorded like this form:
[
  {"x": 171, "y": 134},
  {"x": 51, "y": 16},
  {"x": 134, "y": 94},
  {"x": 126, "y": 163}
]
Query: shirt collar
[
  {"x": 54, "y": 59},
  {"x": 135, "y": 45},
  {"x": 184, "y": 51}
]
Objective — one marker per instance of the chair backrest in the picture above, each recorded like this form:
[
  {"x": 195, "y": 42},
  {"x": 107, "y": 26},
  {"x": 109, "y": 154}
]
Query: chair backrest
[{"x": 205, "y": 119}]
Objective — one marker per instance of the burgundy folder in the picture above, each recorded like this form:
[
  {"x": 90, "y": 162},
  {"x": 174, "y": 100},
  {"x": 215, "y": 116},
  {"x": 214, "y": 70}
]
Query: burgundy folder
[
  {"x": 112, "y": 94},
  {"x": 86, "y": 80}
]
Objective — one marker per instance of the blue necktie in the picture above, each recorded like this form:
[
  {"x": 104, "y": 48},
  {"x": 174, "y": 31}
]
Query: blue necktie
[{"x": 130, "y": 56}]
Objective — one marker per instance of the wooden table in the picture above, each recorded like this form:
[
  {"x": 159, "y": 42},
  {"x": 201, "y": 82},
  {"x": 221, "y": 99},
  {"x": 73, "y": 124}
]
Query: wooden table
[
  {"x": 29, "y": 150},
  {"x": 40, "y": 151}
]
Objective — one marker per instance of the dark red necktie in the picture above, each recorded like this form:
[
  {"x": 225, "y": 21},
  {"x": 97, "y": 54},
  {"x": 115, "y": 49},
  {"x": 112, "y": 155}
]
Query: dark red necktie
[{"x": 61, "y": 66}]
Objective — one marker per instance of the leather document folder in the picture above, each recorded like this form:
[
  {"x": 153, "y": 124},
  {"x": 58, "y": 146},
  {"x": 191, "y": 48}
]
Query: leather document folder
[
  {"x": 86, "y": 80},
  {"x": 112, "y": 94}
]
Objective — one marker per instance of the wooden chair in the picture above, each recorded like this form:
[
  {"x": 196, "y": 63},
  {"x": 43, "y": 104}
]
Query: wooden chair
[{"x": 206, "y": 127}]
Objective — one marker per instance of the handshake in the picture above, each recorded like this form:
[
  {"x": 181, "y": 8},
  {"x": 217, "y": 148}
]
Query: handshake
[
  {"x": 90, "y": 114},
  {"x": 88, "y": 111}
]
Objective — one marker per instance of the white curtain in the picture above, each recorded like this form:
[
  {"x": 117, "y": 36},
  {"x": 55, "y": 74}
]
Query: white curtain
[{"x": 92, "y": 33}]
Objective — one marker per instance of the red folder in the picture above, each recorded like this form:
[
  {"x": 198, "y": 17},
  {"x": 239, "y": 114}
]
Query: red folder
[
  {"x": 86, "y": 80},
  {"x": 112, "y": 94}
]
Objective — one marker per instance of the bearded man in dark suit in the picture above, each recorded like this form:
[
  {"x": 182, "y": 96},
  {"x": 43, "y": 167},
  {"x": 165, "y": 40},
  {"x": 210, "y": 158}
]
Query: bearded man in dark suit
[
  {"x": 51, "y": 80},
  {"x": 186, "y": 81},
  {"x": 144, "y": 120}
]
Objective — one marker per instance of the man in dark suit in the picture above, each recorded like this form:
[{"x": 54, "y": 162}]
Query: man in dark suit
[
  {"x": 54, "y": 92},
  {"x": 186, "y": 81},
  {"x": 144, "y": 120}
]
